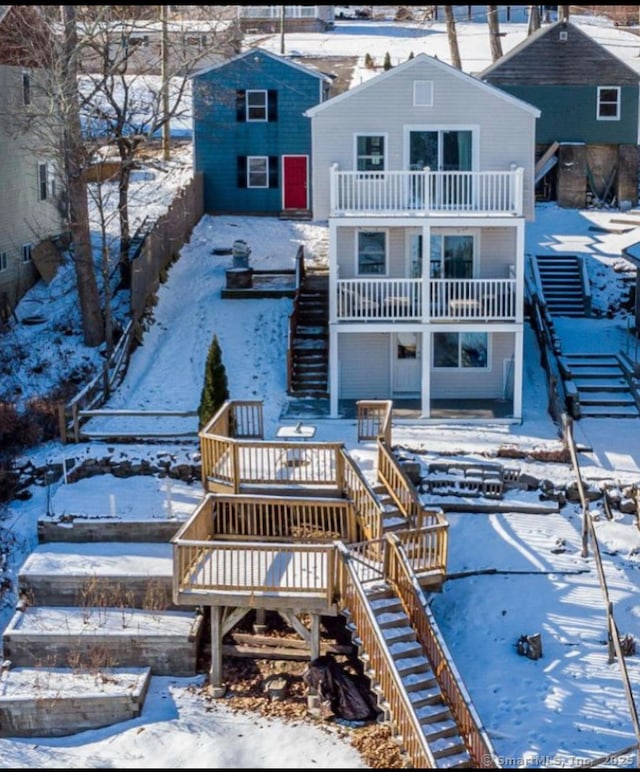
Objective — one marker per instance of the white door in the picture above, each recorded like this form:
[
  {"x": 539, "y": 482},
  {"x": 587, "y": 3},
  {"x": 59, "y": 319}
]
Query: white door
[{"x": 406, "y": 362}]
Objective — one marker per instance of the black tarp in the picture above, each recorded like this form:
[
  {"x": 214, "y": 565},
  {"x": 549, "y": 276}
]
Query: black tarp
[{"x": 339, "y": 692}]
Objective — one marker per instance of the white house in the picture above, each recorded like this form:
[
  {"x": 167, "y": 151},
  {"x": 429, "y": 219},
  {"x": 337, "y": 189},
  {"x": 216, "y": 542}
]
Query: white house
[{"x": 426, "y": 178}]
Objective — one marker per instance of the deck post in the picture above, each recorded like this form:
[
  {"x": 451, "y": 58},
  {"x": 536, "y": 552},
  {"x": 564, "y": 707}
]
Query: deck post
[
  {"x": 216, "y": 686},
  {"x": 259, "y": 626},
  {"x": 315, "y": 636}
]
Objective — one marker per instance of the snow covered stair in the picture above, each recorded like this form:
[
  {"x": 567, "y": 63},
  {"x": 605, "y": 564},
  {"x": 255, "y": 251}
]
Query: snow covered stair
[{"x": 418, "y": 679}]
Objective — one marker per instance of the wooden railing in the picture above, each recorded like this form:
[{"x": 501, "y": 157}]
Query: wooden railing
[
  {"x": 358, "y": 490},
  {"x": 92, "y": 396},
  {"x": 254, "y": 567},
  {"x": 280, "y": 517},
  {"x": 403, "y": 491},
  {"x": 422, "y": 193},
  {"x": 374, "y": 419},
  {"x": 402, "y": 576},
  {"x": 372, "y": 299},
  {"x": 380, "y": 660}
]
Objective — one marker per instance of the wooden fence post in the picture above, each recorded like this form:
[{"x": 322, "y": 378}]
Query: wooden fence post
[{"x": 62, "y": 423}]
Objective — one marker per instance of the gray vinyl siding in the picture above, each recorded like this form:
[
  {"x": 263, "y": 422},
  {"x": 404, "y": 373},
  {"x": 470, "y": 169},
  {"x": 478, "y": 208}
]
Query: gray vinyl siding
[
  {"x": 23, "y": 218},
  {"x": 364, "y": 366},
  {"x": 475, "y": 383},
  {"x": 505, "y": 130},
  {"x": 496, "y": 251}
]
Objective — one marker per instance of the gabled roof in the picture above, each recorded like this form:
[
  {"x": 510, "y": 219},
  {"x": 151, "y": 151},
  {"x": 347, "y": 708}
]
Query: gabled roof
[
  {"x": 252, "y": 52},
  {"x": 559, "y": 54},
  {"x": 419, "y": 59}
]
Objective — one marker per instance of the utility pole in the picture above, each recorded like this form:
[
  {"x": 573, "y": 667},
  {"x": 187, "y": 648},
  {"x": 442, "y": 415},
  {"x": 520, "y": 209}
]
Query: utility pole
[
  {"x": 164, "y": 76},
  {"x": 282, "y": 17}
]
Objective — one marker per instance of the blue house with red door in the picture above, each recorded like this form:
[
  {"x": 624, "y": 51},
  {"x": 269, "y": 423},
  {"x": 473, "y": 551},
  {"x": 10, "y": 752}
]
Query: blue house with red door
[{"x": 251, "y": 138}]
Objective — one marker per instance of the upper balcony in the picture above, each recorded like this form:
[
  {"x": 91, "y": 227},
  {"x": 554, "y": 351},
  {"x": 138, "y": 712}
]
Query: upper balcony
[
  {"x": 428, "y": 300},
  {"x": 426, "y": 193}
]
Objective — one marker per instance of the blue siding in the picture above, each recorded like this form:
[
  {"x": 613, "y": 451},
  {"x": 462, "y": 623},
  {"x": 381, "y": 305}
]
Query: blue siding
[
  {"x": 220, "y": 138},
  {"x": 568, "y": 114}
]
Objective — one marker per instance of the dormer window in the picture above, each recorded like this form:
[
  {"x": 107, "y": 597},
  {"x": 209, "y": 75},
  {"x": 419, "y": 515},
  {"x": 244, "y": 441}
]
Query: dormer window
[{"x": 608, "y": 108}]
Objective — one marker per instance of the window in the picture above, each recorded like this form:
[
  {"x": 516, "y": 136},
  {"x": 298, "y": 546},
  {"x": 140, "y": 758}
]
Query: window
[
  {"x": 608, "y": 103},
  {"x": 199, "y": 41},
  {"x": 460, "y": 349},
  {"x": 26, "y": 88},
  {"x": 257, "y": 105},
  {"x": 4, "y": 261},
  {"x": 42, "y": 182},
  {"x": 26, "y": 253},
  {"x": 46, "y": 182},
  {"x": 451, "y": 256},
  {"x": 423, "y": 93},
  {"x": 372, "y": 250},
  {"x": 370, "y": 153},
  {"x": 257, "y": 171}
]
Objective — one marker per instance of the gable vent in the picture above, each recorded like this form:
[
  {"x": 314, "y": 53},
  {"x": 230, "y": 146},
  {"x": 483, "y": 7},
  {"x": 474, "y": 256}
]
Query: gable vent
[{"x": 564, "y": 35}]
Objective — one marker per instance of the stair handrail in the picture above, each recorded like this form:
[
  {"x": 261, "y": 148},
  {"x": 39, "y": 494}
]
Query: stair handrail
[
  {"x": 586, "y": 284},
  {"x": 455, "y": 693},
  {"x": 294, "y": 316},
  {"x": 403, "y": 717},
  {"x": 403, "y": 492},
  {"x": 538, "y": 291},
  {"x": 589, "y": 534}
]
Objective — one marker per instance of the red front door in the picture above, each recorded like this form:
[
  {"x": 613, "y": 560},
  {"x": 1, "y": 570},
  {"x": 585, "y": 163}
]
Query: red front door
[{"x": 295, "y": 172}]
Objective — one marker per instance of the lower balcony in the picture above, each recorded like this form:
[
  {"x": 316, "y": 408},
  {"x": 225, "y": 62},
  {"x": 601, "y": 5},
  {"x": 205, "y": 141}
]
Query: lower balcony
[{"x": 447, "y": 300}]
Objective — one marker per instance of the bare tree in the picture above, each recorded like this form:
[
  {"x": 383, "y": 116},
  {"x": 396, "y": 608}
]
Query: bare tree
[
  {"x": 101, "y": 86},
  {"x": 454, "y": 51},
  {"x": 563, "y": 12},
  {"x": 43, "y": 39},
  {"x": 534, "y": 19},
  {"x": 75, "y": 165},
  {"x": 494, "y": 32},
  {"x": 133, "y": 90}
]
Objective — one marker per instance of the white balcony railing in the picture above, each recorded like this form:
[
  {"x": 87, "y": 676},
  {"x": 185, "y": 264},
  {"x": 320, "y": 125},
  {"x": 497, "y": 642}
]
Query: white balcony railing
[
  {"x": 274, "y": 12},
  {"x": 449, "y": 299},
  {"x": 424, "y": 193}
]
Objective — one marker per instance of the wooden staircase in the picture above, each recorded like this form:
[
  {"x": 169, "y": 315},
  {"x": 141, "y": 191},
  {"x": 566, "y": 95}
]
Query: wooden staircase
[
  {"x": 562, "y": 287},
  {"x": 310, "y": 340},
  {"x": 414, "y": 671},
  {"x": 598, "y": 387}
]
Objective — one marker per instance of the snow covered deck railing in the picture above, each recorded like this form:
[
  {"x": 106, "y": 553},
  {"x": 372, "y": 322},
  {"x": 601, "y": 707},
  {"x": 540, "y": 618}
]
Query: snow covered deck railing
[{"x": 425, "y": 193}]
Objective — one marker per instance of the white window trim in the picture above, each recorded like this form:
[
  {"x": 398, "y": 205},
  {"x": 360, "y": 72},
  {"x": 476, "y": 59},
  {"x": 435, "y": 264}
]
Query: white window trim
[
  {"x": 266, "y": 105},
  {"x": 423, "y": 87},
  {"x": 27, "y": 257},
  {"x": 386, "y": 253},
  {"x": 615, "y": 117},
  {"x": 385, "y": 138},
  {"x": 264, "y": 158},
  {"x": 4, "y": 261}
]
